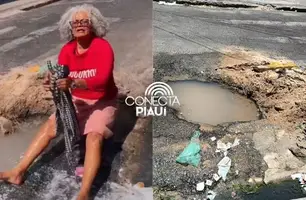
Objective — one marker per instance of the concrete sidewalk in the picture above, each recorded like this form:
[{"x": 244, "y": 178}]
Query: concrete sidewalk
[
  {"x": 277, "y": 4},
  {"x": 9, "y": 9}
]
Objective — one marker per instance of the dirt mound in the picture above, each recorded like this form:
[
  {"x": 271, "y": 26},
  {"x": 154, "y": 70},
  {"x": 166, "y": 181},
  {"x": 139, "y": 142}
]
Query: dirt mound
[
  {"x": 277, "y": 85},
  {"x": 22, "y": 93}
]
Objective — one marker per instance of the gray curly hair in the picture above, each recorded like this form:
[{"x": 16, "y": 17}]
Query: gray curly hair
[{"x": 99, "y": 23}]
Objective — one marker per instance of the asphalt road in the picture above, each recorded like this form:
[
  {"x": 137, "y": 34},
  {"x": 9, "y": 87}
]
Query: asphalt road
[
  {"x": 208, "y": 31},
  {"x": 191, "y": 40},
  {"x": 32, "y": 37}
]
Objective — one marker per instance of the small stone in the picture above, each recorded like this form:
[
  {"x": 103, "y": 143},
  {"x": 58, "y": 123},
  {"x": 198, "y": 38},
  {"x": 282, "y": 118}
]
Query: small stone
[
  {"x": 272, "y": 75},
  {"x": 207, "y": 164},
  {"x": 209, "y": 182},
  {"x": 200, "y": 186},
  {"x": 140, "y": 185},
  {"x": 234, "y": 194},
  {"x": 258, "y": 180},
  {"x": 280, "y": 134},
  {"x": 206, "y": 146},
  {"x": 207, "y": 128},
  {"x": 251, "y": 180},
  {"x": 272, "y": 161},
  {"x": 6, "y": 126},
  {"x": 301, "y": 144},
  {"x": 298, "y": 152},
  {"x": 279, "y": 107},
  {"x": 216, "y": 177},
  {"x": 213, "y": 138}
]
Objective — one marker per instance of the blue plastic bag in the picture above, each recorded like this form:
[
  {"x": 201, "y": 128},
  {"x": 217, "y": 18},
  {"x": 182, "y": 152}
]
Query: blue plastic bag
[{"x": 191, "y": 154}]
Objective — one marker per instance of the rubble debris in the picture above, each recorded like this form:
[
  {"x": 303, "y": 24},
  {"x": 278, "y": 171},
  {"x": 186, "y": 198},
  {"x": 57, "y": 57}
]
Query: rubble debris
[
  {"x": 209, "y": 182},
  {"x": 223, "y": 167},
  {"x": 251, "y": 180},
  {"x": 258, "y": 180},
  {"x": 236, "y": 142},
  {"x": 224, "y": 147},
  {"x": 191, "y": 154},
  {"x": 6, "y": 126},
  {"x": 205, "y": 147},
  {"x": 211, "y": 195},
  {"x": 302, "y": 179},
  {"x": 234, "y": 194},
  {"x": 213, "y": 138},
  {"x": 216, "y": 177},
  {"x": 200, "y": 186}
]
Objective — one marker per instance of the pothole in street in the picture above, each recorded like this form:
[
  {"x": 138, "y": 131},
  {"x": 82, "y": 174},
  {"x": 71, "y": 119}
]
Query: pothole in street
[
  {"x": 13, "y": 146},
  {"x": 212, "y": 104}
]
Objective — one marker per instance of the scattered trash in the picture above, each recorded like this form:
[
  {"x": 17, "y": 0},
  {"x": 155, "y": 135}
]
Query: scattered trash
[
  {"x": 216, "y": 177},
  {"x": 213, "y": 138},
  {"x": 205, "y": 147},
  {"x": 236, "y": 142},
  {"x": 191, "y": 154},
  {"x": 302, "y": 179},
  {"x": 166, "y": 3},
  {"x": 224, "y": 147},
  {"x": 34, "y": 68},
  {"x": 223, "y": 167},
  {"x": 211, "y": 195},
  {"x": 209, "y": 182},
  {"x": 200, "y": 186},
  {"x": 237, "y": 172},
  {"x": 234, "y": 194}
]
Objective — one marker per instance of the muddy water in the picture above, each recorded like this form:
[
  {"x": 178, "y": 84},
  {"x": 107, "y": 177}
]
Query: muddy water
[
  {"x": 48, "y": 179},
  {"x": 13, "y": 146},
  {"x": 210, "y": 103}
]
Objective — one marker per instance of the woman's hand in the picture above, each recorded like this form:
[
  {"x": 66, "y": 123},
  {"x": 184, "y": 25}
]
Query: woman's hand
[{"x": 64, "y": 84}]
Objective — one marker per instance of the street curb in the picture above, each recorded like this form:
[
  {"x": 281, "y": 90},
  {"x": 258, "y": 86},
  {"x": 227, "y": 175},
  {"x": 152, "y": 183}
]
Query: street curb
[
  {"x": 235, "y": 4},
  {"x": 229, "y": 4},
  {"x": 38, "y": 5},
  {"x": 20, "y": 6}
]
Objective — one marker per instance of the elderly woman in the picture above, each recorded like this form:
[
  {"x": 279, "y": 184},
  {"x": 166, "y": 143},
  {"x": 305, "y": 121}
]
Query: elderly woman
[{"x": 91, "y": 61}]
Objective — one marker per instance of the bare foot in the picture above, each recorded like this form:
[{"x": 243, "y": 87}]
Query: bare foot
[
  {"x": 12, "y": 177},
  {"x": 83, "y": 197}
]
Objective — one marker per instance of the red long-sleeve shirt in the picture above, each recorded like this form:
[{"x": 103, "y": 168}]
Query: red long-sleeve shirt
[{"x": 95, "y": 66}]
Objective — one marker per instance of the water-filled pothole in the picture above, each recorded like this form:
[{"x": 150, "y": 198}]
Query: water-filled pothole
[
  {"x": 13, "y": 146},
  {"x": 212, "y": 104}
]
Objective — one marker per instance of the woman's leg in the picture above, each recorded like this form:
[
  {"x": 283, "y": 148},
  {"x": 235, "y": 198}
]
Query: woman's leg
[
  {"x": 92, "y": 163},
  {"x": 40, "y": 142}
]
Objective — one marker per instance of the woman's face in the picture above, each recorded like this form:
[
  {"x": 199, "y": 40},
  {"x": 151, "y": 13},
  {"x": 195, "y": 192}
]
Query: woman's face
[{"x": 80, "y": 25}]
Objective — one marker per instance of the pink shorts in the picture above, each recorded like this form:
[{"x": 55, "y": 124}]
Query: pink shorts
[{"x": 96, "y": 116}]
